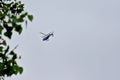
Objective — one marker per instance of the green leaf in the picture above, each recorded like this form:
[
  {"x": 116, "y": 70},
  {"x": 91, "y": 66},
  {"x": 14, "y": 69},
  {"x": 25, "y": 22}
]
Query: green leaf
[
  {"x": 8, "y": 34},
  {"x": 21, "y": 6},
  {"x": 14, "y": 19},
  {"x": 20, "y": 20},
  {"x": 19, "y": 11},
  {"x": 11, "y": 53},
  {"x": 20, "y": 70},
  {"x": 7, "y": 49},
  {"x": 14, "y": 56},
  {"x": 4, "y": 43},
  {"x": 1, "y": 48},
  {"x": 8, "y": 28},
  {"x": 10, "y": 70},
  {"x": 30, "y": 17},
  {"x": 1, "y": 28},
  {"x": 16, "y": 69},
  {"x": 18, "y": 28},
  {"x": 1, "y": 55},
  {"x": 23, "y": 15}
]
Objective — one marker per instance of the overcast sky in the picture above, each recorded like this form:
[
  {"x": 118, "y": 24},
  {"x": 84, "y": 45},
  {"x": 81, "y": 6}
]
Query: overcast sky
[{"x": 85, "y": 46}]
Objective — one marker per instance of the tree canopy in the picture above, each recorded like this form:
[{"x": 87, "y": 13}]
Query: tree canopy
[{"x": 12, "y": 17}]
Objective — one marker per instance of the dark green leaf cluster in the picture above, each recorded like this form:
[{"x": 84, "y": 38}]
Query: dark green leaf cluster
[
  {"x": 8, "y": 64},
  {"x": 12, "y": 16}
]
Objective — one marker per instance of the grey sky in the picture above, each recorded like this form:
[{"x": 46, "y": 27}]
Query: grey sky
[{"x": 86, "y": 45}]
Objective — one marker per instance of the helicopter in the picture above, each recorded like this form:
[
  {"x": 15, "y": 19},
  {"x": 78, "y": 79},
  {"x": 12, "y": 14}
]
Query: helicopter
[{"x": 47, "y": 36}]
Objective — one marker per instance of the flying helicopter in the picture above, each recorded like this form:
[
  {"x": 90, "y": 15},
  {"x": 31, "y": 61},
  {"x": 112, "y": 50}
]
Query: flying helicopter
[{"x": 47, "y": 36}]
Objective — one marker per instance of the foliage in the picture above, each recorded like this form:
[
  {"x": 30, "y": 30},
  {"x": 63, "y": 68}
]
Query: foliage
[{"x": 12, "y": 16}]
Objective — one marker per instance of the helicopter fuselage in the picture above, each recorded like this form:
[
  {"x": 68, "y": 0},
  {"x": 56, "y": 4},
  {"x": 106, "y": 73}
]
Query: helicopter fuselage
[{"x": 46, "y": 38}]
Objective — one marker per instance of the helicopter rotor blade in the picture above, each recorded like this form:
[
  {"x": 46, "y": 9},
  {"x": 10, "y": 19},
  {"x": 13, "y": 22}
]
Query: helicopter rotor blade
[{"x": 43, "y": 33}]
